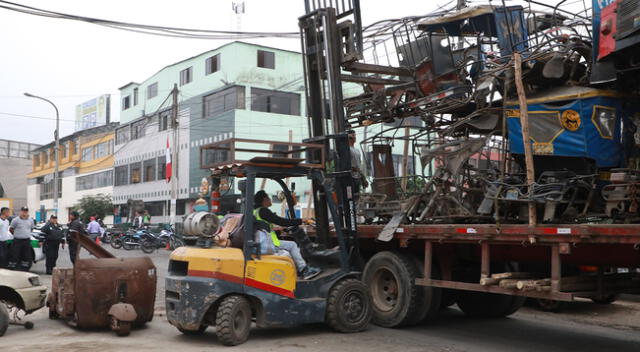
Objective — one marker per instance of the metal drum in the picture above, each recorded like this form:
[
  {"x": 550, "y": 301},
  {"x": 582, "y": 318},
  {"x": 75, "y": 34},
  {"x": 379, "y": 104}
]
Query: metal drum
[{"x": 202, "y": 223}]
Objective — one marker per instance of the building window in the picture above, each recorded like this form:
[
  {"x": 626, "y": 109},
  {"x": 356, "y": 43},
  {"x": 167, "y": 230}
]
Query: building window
[
  {"x": 212, "y": 64},
  {"x": 274, "y": 101},
  {"x": 149, "y": 170},
  {"x": 46, "y": 191},
  {"x": 135, "y": 173},
  {"x": 186, "y": 75},
  {"x": 126, "y": 102},
  {"x": 163, "y": 120},
  {"x": 63, "y": 151},
  {"x": 122, "y": 175},
  {"x": 103, "y": 149},
  {"x": 137, "y": 129},
  {"x": 135, "y": 96},
  {"x": 152, "y": 90},
  {"x": 36, "y": 160},
  {"x": 44, "y": 156},
  {"x": 72, "y": 148},
  {"x": 266, "y": 59},
  {"x": 225, "y": 100},
  {"x": 100, "y": 179},
  {"x": 123, "y": 134},
  {"x": 87, "y": 154},
  {"x": 162, "y": 168}
]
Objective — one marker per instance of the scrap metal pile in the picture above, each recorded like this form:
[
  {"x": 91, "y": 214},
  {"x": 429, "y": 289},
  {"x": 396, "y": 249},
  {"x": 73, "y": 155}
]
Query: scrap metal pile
[{"x": 443, "y": 87}]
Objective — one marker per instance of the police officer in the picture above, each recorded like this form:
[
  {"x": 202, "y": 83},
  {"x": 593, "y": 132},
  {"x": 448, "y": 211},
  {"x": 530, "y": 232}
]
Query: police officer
[
  {"x": 54, "y": 237},
  {"x": 76, "y": 227}
]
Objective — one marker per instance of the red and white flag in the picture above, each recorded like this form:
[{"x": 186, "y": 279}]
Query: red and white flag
[{"x": 168, "y": 165}]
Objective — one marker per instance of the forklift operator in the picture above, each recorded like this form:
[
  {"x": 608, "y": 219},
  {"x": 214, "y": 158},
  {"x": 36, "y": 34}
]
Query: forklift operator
[{"x": 269, "y": 241}]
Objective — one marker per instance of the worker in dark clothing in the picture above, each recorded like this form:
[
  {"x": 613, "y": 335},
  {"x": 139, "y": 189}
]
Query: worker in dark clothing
[
  {"x": 54, "y": 238},
  {"x": 21, "y": 254},
  {"x": 269, "y": 241},
  {"x": 77, "y": 228}
]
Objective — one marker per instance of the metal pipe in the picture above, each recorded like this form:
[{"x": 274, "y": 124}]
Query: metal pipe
[{"x": 56, "y": 151}]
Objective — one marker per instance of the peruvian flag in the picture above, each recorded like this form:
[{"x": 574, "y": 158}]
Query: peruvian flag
[{"x": 168, "y": 165}]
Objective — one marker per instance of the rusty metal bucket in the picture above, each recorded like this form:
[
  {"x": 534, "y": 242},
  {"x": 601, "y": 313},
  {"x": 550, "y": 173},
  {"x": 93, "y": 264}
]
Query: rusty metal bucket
[{"x": 85, "y": 295}]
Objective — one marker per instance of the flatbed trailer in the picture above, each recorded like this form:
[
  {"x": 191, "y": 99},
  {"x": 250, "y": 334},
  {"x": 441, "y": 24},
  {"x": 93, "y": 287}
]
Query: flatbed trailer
[{"x": 442, "y": 264}]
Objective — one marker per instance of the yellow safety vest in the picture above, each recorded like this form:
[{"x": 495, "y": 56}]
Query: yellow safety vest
[{"x": 274, "y": 235}]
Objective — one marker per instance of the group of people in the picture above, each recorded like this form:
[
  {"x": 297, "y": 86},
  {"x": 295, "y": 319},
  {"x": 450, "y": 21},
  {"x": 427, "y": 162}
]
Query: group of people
[{"x": 19, "y": 255}]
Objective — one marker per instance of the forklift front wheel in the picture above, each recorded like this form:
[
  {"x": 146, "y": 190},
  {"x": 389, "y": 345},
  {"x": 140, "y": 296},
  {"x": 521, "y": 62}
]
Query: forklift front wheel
[
  {"x": 349, "y": 306},
  {"x": 233, "y": 320}
]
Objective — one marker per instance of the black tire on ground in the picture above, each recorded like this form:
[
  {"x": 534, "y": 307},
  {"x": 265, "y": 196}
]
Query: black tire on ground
[
  {"x": 116, "y": 243},
  {"x": 608, "y": 299},
  {"x": 397, "y": 300},
  {"x": 233, "y": 320},
  {"x": 4, "y": 319},
  {"x": 200, "y": 330},
  {"x": 148, "y": 246},
  {"x": 550, "y": 305},
  {"x": 349, "y": 306},
  {"x": 485, "y": 305},
  {"x": 127, "y": 245},
  {"x": 516, "y": 304}
]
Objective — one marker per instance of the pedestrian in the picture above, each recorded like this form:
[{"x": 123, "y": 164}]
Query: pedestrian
[
  {"x": 146, "y": 219},
  {"x": 76, "y": 228},
  {"x": 93, "y": 228},
  {"x": 5, "y": 236},
  {"x": 54, "y": 238},
  {"x": 138, "y": 221},
  {"x": 21, "y": 253}
]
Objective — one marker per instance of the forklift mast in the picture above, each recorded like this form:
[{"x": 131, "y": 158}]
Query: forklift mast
[{"x": 326, "y": 45}]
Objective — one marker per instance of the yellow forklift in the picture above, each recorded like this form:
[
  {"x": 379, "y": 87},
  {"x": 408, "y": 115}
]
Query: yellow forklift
[{"x": 227, "y": 283}]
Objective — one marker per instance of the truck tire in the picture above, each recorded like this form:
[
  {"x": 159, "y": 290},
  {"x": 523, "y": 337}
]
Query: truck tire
[
  {"x": 349, "y": 306},
  {"x": 487, "y": 305},
  {"x": 4, "y": 319},
  {"x": 550, "y": 305},
  {"x": 397, "y": 300},
  {"x": 608, "y": 299},
  {"x": 233, "y": 320}
]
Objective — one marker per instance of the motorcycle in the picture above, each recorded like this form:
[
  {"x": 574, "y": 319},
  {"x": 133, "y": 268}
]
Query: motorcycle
[{"x": 166, "y": 236}]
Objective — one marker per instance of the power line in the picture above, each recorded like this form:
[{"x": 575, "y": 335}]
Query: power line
[{"x": 166, "y": 31}]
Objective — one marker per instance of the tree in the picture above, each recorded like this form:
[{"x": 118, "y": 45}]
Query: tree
[{"x": 98, "y": 205}]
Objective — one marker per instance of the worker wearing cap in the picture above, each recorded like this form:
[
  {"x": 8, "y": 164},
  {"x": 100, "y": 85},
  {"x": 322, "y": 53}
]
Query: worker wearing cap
[
  {"x": 21, "y": 253},
  {"x": 269, "y": 241},
  {"x": 54, "y": 238},
  {"x": 76, "y": 228}
]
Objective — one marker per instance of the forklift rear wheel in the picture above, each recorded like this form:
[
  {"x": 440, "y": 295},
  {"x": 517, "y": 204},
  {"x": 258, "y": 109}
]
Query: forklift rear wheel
[
  {"x": 349, "y": 306},
  {"x": 4, "y": 319},
  {"x": 233, "y": 320},
  {"x": 397, "y": 300}
]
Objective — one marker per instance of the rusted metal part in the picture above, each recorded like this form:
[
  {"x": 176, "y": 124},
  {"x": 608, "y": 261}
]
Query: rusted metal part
[{"x": 98, "y": 288}]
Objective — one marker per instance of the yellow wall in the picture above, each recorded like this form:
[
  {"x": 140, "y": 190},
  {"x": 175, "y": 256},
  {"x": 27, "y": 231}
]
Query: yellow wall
[{"x": 74, "y": 160}]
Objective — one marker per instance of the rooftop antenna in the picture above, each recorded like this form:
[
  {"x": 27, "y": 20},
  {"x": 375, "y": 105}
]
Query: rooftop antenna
[{"x": 238, "y": 8}]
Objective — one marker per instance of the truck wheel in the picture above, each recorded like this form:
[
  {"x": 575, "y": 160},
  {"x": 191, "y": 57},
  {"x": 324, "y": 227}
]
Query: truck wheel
[
  {"x": 608, "y": 299},
  {"x": 550, "y": 305},
  {"x": 349, "y": 306},
  {"x": 397, "y": 300},
  {"x": 233, "y": 320},
  {"x": 485, "y": 305},
  {"x": 4, "y": 319}
]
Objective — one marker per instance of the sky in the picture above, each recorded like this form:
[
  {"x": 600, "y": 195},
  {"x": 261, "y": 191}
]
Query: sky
[{"x": 71, "y": 62}]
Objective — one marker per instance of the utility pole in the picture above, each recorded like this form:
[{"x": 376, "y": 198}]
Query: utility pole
[
  {"x": 174, "y": 156},
  {"x": 56, "y": 136}
]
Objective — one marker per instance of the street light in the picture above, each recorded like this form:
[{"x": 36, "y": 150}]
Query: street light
[{"x": 56, "y": 150}]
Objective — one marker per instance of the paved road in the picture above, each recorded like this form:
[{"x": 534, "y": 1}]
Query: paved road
[{"x": 583, "y": 327}]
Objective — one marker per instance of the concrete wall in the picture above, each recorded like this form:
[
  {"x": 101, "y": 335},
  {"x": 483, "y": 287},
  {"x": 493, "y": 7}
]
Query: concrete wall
[{"x": 13, "y": 179}]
